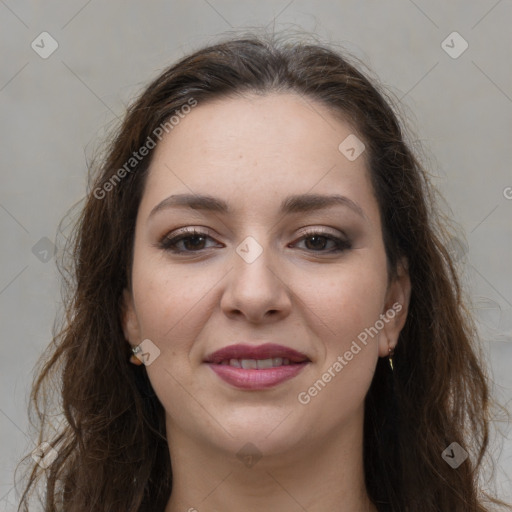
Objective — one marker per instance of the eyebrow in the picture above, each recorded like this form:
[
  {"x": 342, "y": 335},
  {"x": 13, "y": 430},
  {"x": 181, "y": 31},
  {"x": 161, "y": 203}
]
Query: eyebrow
[{"x": 302, "y": 203}]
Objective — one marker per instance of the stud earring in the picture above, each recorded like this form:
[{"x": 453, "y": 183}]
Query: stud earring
[{"x": 133, "y": 358}]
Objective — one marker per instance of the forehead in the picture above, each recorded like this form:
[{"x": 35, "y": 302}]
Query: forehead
[
  {"x": 255, "y": 148},
  {"x": 273, "y": 125}
]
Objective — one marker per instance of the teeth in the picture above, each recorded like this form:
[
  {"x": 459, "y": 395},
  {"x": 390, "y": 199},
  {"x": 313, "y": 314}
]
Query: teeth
[
  {"x": 257, "y": 364},
  {"x": 249, "y": 364},
  {"x": 265, "y": 363}
]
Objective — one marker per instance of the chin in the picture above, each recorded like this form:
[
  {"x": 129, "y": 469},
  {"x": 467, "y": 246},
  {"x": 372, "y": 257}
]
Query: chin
[{"x": 269, "y": 437}]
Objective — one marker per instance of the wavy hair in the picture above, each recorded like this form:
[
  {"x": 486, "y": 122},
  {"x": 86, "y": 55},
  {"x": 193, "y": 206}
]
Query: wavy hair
[{"x": 111, "y": 440}]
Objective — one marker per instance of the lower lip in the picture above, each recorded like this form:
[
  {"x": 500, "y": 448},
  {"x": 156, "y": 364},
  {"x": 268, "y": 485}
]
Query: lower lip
[{"x": 256, "y": 379}]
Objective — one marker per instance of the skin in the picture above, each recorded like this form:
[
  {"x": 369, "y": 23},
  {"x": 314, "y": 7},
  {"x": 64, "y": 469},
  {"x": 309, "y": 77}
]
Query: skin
[{"x": 252, "y": 152}]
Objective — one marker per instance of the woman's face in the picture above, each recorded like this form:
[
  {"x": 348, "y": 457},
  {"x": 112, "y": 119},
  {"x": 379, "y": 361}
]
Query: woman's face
[{"x": 272, "y": 264}]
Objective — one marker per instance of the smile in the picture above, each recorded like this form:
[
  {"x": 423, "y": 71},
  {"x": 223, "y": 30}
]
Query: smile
[
  {"x": 257, "y": 364},
  {"x": 254, "y": 367}
]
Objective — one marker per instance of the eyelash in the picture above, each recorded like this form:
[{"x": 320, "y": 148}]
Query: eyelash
[{"x": 169, "y": 243}]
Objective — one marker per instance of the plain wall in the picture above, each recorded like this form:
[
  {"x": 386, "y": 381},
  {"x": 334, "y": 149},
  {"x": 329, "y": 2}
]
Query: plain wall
[{"x": 55, "y": 110}]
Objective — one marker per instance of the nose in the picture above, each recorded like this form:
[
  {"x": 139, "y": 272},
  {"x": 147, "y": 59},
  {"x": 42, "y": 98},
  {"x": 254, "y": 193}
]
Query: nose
[{"x": 256, "y": 289}]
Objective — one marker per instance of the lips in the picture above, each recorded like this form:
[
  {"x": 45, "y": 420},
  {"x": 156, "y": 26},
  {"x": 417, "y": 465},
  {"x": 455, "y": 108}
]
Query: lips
[
  {"x": 256, "y": 367},
  {"x": 261, "y": 352}
]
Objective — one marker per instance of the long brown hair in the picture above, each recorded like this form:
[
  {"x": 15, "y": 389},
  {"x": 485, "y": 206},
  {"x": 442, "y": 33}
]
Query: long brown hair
[{"x": 111, "y": 443}]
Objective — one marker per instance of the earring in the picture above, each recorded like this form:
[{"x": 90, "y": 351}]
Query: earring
[
  {"x": 133, "y": 358},
  {"x": 390, "y": 357}
]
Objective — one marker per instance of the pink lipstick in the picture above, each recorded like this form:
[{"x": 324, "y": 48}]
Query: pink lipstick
[{"x": 256, "y": 367}]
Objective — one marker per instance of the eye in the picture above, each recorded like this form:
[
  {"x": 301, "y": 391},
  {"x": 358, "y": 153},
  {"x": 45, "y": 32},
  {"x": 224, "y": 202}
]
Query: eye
[
  {"x": 319, "y": 239},
  {"x": 192, "y": 239}
]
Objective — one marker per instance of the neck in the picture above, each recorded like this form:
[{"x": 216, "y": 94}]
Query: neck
[{"x": 320, "y": 475}]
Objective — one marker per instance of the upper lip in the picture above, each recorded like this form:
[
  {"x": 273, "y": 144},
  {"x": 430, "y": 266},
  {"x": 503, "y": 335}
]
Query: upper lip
[{"x": 265, "y": 351}]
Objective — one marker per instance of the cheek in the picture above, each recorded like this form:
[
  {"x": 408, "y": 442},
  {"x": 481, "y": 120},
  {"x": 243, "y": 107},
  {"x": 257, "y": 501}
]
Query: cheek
[
  {"x": 167, "y": 296},
  {"x": 349, "y": 348},
  {"x": 348, "y": 299},
  {"x": 350, "y": 305}
]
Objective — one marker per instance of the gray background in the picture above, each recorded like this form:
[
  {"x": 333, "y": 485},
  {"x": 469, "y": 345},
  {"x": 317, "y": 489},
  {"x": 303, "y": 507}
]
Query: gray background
[{"x": 54, "y": 111}]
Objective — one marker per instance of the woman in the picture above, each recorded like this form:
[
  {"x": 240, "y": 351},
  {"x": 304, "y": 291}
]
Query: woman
[{"x": 264, "y": 316}]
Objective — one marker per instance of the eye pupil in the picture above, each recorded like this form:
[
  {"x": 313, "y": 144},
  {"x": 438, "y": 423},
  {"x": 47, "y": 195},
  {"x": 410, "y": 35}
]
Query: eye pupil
[
  {"x": 198, "y": 241},
  {"x": 316, "y": 245}
]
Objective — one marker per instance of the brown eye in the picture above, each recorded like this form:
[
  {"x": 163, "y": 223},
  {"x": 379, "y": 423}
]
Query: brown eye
[
  {"x": 195, "y": 241},
  {"x": 191, "y": 240},
  {"x": 318, "y": 241}
]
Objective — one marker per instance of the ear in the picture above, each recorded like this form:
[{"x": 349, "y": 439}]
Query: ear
[
  {"x": 130, "y": 323},
  {"x": 395, "y": 309}
]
